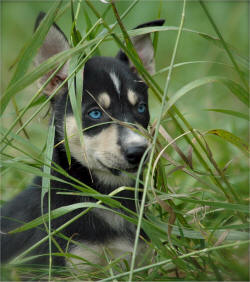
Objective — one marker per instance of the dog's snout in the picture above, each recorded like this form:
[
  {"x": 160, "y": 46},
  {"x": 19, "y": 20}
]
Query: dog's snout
[{"x": 134, "y": 154}]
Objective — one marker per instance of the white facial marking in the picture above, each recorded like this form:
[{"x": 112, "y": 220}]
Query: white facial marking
[
  {"x": 134, "y": 138},
  {"x": 132, "y": 97},
  {"x": 104, "y": 100},
  {"x": 116, "y": 81}
]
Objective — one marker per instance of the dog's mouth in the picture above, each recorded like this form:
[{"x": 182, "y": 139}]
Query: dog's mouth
[{"x": 118, "y": 171}]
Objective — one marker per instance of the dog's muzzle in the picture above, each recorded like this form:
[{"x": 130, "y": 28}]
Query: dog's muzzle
[
  {"x": 134, "y": 154},
  {"x": 133, "y": 146}
]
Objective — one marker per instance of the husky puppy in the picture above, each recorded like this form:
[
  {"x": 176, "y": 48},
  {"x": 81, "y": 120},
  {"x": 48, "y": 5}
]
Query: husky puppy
[{"x": 114, "y": 93}]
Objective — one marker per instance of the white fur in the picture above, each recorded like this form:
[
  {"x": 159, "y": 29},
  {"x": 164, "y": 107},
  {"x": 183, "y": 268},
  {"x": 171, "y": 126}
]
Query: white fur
[
  {"x": 106, "y": 178},
  {"x": 133, "y": 138},
  {"x": 90, "y": 252},
  {"x": 111, "y": 218},
  {"x": 94, "y": 253},
  {"x": 115, "y": 81}
]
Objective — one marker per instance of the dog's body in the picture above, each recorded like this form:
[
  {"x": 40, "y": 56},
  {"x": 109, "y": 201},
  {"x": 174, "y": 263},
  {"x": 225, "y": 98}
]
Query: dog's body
[{"x": 112, "y": 92}]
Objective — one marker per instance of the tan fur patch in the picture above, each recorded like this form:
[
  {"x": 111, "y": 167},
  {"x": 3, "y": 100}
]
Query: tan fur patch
[
  {"x": 104, "y": 100},
  {"x": 98, "y": 153},
  {"x": 132, "y": 97}
]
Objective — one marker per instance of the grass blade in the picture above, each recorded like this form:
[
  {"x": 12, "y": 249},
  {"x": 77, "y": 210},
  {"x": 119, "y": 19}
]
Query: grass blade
[
  {"x": 230, "y": 112},
  {"x": 46, "y": 185},
  {"x": 55, "y": 214},
  {"x": 224, "y": 43},
  {"x": 231, "y": 138}
]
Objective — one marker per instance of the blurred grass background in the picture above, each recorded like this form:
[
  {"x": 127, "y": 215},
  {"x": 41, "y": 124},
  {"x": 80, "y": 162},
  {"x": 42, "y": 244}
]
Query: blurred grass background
[
  {"x": 231, "y": 17},
  {"x": 17, "y": 22}
]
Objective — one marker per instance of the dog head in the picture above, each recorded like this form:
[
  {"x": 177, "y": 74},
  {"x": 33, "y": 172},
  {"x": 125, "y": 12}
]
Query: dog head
[{"x": 114, "y": 108}]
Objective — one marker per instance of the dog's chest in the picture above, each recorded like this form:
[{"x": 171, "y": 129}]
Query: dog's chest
[
  {"x": 115, "y": 221},
  {"x": 90, "y": 253}
]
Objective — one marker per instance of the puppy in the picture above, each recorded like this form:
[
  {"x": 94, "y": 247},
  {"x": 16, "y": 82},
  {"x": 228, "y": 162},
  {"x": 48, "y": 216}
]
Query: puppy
[{"x": 113, "y": 95}]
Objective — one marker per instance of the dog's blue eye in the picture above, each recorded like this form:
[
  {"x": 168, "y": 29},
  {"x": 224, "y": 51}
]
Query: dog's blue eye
[
  {"x": 141, "y": 108},
  {"x": 95, "y": 114}
]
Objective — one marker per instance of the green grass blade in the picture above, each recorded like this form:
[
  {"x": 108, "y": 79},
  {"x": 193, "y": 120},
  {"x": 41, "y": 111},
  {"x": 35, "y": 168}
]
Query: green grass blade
[
  {"x": 225, "y": 46},
  {"x": 230, "y": 112},
  {"x": 237, "y": 90},
  {"x": 23, "y": 141},
  {"x": 28, "y": 169},
  {"x": 66, "y": 141},
  {"x": 47, "y": 160},
  {"x": 55, "y": 214},
  {"x": 223, "y": 205},
  {"x": 75, "y": 33},
  {"x": 231, "y": 138},
  {"x": 232, "y": 235},
  {"x": 46, "y": 185},
  {"x": 190, "y": 63}
]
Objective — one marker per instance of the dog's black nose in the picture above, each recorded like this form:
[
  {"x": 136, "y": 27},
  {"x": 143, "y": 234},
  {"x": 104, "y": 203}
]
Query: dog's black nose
[{"x": 134, "y": 154}]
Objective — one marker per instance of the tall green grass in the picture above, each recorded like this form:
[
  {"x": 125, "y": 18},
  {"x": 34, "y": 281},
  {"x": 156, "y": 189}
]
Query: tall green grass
[{"x": 195, "y": 195}]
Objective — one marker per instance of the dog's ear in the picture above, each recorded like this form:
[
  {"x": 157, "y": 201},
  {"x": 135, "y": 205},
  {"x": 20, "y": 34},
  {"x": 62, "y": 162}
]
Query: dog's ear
[
  {"x": 144, "y": 47},
  {"x": 55, "y": 42}
]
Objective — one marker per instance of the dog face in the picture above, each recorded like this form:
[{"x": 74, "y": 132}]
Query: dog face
[
  {"x": 114, "y": 110},
  {"x": 111, "y": 94}
]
